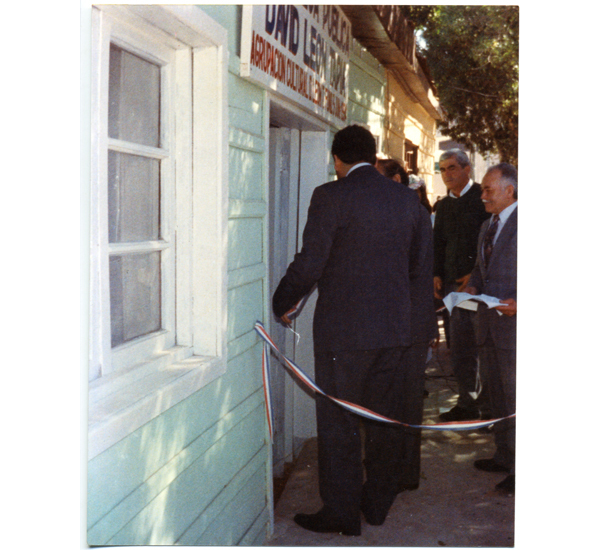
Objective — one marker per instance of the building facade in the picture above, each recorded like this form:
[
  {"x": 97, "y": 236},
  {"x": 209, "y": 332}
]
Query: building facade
[{"x": 211, "y": 126}]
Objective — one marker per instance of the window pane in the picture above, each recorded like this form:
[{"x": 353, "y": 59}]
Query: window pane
[
  {"x": 134, "y": 98},
  {"x": 133, "y": 198},
  {"x": 134, "y": 296}
]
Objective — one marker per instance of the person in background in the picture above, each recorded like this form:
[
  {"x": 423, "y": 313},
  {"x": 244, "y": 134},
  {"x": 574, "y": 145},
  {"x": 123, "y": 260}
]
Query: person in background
[
  {"x": 392, "y": 169},
  {"x": 458, "y": 220},
  {"x": 418, "y": 184},
  {"x": 495, "y": 274},
  {"x": 364, "y": 244},
  {"x": 425, "y": 335}
]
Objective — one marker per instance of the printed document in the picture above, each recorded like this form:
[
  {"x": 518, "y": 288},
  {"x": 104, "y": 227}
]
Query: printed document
[{"x": 468, "y": 301}]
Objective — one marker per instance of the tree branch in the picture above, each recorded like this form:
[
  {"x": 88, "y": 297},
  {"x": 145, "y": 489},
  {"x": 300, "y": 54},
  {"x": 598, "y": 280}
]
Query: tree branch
[{"x": 474, "y": 92}]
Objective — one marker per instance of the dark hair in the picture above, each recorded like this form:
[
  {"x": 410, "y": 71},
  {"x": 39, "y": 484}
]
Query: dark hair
[
  {"x": 391, "y": 167},
  {"x": 354, "y": 144}
]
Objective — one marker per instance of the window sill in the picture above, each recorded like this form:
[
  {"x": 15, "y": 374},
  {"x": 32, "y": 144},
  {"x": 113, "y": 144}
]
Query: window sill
[{"x": 122, "y": 402}]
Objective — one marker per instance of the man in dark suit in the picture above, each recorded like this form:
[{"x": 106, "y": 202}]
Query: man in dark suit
[
  {"x": 364, "y": 244},
  {"x": 425, "y": 332},
  {"x": 495, "y": 274},
  {"x": 458, "y": 220}
]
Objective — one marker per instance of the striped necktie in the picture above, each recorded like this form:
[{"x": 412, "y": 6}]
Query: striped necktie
[{"x": 488, "y": 240}]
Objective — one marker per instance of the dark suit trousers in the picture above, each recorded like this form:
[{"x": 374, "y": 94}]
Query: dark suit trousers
[
  {"x": 463, "y": 356},
  {"x": 385, "y": 381},
  {"x": 499, "y": 370}
]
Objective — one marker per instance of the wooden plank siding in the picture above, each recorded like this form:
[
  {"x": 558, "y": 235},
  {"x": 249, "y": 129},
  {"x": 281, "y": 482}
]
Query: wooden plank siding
[
  {"x": 367, "y": 93},
  {"x": 197, "y": 474}
]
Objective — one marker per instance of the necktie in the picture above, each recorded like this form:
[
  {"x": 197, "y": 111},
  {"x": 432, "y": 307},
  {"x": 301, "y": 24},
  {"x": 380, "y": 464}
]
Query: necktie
[{"x": 488, "y": 240}]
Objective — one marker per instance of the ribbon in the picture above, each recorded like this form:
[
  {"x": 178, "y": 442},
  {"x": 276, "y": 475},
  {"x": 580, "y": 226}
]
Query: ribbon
[
  {"x": 266, "y": 375},
  {"x": 357, "y": 409}
]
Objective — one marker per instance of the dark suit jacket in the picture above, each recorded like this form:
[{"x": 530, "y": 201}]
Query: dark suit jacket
[
  {"x": 363, "y": 244},
  {"x": 457, "y": 225},
  {"x": 498, "y": 280},
  {"x": 424, "y": 320}
]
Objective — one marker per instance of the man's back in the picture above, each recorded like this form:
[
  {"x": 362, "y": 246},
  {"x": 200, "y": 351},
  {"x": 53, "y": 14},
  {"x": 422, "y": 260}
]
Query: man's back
[{"x": 361, "y": 243}]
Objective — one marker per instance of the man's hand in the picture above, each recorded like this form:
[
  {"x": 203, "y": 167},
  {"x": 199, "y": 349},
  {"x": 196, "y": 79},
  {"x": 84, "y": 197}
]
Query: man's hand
[
  {"x": 509, "y": 309},
  {"x": 463, "y": 282},
  {"x": 286, "y": 320},
  {"x": 437, "y": 288},
  {"x": 470, "y": 290}
]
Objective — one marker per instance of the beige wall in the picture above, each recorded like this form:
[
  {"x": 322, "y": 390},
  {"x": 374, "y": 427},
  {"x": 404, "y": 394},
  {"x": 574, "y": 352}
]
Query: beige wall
[{"x": 408, "y": 120}]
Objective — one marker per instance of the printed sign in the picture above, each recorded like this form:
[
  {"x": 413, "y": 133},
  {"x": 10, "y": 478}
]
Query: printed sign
[{"x": 301, "y": 52}]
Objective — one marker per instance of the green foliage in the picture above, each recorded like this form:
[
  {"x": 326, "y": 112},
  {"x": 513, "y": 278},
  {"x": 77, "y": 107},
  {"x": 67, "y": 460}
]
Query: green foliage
[{"x": 473, "y": 55}]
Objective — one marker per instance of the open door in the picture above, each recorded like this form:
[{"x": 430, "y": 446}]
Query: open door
[
  {"x": 298, "y": 162},
  {"x": 283, "y": 183}
]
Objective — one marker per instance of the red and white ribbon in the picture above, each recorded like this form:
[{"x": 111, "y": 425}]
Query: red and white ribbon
[{"x": 357, "y": 409}]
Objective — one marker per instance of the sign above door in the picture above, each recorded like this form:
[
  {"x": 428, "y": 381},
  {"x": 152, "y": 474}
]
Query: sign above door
[{"x": 301, "y": 53}]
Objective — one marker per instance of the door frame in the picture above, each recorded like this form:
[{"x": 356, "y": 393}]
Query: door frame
[{"x": 311, "y": 142}]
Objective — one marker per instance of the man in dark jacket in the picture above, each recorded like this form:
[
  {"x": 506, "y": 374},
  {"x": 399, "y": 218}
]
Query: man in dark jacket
[
  {"x": 365, "y": 244},
  {"x": 458, "y": 219}
]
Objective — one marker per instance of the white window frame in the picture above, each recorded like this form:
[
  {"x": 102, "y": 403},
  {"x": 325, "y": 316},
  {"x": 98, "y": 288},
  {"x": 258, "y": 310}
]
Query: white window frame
[
  {"x": 127, "y": 354},
  {"x": 138, "y": 381}
]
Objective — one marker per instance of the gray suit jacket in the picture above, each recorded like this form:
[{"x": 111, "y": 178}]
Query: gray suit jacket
[{"x": 498, "y": 280}]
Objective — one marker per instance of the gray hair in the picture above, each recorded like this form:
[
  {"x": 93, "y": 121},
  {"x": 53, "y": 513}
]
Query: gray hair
[
  {"x": 508, "y": 175},
  {"x": 460, "y": 156}
]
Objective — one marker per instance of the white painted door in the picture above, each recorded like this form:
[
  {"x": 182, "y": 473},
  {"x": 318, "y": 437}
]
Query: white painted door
[
  {"x": 298, "y": 164},
  {"x": 280, "y": 222},
  {"x": 314, "y": 159}
]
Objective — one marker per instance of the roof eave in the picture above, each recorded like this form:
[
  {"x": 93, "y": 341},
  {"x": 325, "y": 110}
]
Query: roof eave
[{"x": 370, "y": 26}]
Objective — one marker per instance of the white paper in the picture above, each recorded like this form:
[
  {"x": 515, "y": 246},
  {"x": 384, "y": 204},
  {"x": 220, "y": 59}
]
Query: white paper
[{"x": 468, "y": 301}]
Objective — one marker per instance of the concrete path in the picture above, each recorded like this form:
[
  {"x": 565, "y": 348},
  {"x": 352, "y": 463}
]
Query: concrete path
[{"x": 455, "y": 505}]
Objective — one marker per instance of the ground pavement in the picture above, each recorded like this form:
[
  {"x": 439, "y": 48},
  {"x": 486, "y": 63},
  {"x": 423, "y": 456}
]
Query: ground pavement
[{"x": 455, "y": 505}]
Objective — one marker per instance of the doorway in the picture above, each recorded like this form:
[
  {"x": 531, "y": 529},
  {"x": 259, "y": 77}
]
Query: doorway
[{"x": 298, "y": 162}]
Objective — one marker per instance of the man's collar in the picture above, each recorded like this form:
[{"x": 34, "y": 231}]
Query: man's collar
[
  {"x": 358, "y": 166},
  {"x": 464, "y": 190},
  {"x": 505, "y": 214}
]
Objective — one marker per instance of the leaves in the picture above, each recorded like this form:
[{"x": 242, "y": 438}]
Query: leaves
[{"x": 473, "y": 55}]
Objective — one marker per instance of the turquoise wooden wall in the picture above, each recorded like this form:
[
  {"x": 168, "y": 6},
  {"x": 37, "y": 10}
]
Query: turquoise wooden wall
[
  {"x": 367, "y": 93},
  {"x": 197, "y": 474}
]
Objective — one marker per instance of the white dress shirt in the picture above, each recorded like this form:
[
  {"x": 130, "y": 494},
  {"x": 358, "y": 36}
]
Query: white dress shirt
[
  {"x": 358, "y": 166},
  {"x": 465, "y": 189},
  {"x": 502, "y": 217}
]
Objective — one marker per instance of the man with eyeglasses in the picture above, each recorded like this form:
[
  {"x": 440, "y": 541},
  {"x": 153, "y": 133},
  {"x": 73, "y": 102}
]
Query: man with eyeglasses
[{"x": 458, "y": 219}]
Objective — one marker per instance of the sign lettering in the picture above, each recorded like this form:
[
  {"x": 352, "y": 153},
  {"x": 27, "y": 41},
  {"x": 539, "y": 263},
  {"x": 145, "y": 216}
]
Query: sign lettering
[{"x": 302, "y": 52}]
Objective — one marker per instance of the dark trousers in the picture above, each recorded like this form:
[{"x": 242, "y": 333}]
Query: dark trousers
[
  {"x": 463, "y": 356},
  {"x": 385, "y": 381},
  {"x": 499, "y": 371}
]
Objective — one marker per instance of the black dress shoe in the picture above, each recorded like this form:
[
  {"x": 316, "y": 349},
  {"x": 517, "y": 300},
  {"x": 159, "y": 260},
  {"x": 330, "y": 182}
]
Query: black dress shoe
[
  {"x": 325, "y": 522},
  {"x": 372, "y": 517},
  {"x": 489, "y": 465},
  {"x": 407, "y": 487},
  {"x": 459, "y": 413},
  {"x": 507, "y": 485}
]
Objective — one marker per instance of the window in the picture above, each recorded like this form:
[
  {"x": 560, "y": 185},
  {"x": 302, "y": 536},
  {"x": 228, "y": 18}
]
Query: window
[
  {"x": 158, "y": 250},
  {"x": 411, "y": 152},
  {"x": 140, "y": 191}
]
